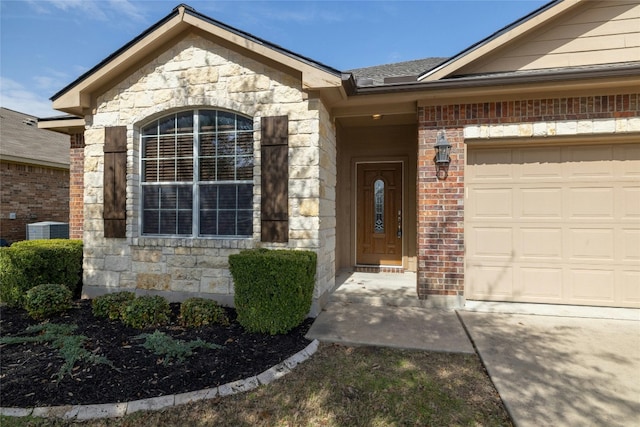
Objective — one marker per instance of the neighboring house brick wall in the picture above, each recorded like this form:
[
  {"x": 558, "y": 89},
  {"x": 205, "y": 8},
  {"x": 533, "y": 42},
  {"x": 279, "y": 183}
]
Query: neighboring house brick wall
[
  {"x": 441, "y": 203},
  {"x": 34, "y": 193},
  {"x": 76, "y": 186},
  {"x": 196, "y": 73}
]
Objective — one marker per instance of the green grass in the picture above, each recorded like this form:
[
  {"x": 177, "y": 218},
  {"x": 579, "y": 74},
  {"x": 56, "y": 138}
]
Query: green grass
[{"x": 345, "y": 386}]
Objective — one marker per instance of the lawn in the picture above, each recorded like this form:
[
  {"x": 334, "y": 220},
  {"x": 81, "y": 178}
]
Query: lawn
[{"x": 344, "y": 386}]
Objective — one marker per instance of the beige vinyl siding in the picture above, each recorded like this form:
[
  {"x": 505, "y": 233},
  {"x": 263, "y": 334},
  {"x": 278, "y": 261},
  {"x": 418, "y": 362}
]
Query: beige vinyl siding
[
  {"x": 597, "y": 33},
  {"x": 554, "y": 224}
]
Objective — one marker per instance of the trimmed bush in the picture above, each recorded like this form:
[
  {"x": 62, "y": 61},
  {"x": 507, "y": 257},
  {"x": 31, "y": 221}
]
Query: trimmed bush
[
  {"x": 44, "y": 301},
  {"x": 111, "y": 305},
  {"x": 200, "y": 311},
  {"x": 146, "y": 311},
  {"x": 273, "y": 288},
  {"x": 26, "y": 264}
]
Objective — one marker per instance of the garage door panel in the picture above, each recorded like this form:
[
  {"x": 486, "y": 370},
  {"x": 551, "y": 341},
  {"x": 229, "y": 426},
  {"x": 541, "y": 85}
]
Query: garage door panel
[
  {"x": 592, "y": 286},
  {"x": 627, "y": 159},
  {"x": 541, "y": 203},
  {"x": 493, "y": 242},
  {"x": 629, "y": 281},
  {"x": 496, "y": 165},
  {"x": 590, "y": 202},
  {"x": 541, "y": 163},
  {"x": 589, "y": 161},
  {"x": 541, "y": 243},
  {"x": 630, "y": 246},
  {"x": 561, "y": 223},
  {"x": 539, "y": 284},
  {"x": 493, "y": 203},
  {"x": 591, "y": 244},
  {"x": 630, "y": 203},
  {"x": 492, "y": 281}
]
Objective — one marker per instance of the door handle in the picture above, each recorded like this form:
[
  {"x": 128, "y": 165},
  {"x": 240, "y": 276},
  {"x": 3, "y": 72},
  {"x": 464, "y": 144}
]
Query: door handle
[{"x": 399, "y": 223}]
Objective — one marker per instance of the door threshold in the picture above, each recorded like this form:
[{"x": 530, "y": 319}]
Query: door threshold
[{"x": 378, "y": 269}]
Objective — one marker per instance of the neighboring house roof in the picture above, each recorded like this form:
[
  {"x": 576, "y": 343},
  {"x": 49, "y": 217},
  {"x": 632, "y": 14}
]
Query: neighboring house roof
[{"x": 22, "y": 141}]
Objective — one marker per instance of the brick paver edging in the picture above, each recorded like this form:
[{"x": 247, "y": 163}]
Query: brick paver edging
[{"x": 110, "y": 410}]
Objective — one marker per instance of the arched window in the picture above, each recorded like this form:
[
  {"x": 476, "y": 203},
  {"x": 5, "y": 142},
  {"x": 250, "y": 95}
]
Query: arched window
[{"x": 197, "y": 175}]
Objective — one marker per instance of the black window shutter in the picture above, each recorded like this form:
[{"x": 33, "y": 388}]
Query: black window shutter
[
  {"x": 115, "y": 182},
  {"x": 275, "y": 179}
]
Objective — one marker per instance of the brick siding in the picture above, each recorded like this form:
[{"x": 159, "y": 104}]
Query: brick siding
[
  {"x": 76, "y": 186},
  {"x": 34, "y": 194},
  {"x": 441, "y": 202}
]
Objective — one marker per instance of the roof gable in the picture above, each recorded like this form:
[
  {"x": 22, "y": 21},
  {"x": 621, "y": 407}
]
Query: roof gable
[
  {"x": 77, "y": 97},
  {"x": 563, "y": 33}
]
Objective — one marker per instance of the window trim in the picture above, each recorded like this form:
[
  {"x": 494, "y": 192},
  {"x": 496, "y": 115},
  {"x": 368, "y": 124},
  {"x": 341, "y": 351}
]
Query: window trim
[{"x": 195, "y": 183}]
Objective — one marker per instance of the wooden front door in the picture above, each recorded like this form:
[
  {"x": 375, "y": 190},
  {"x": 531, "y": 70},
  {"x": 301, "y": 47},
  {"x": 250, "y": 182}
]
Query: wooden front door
[{"x": 379, "y": 213}]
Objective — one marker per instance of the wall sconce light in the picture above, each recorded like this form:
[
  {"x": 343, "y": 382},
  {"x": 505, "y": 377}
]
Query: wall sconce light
[{"x": 442, "y": 159}]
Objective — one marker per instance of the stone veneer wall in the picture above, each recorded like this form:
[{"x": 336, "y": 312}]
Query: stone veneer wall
[
  {"x": 196, "y": 73},
  {"x": 441, "y": 202}
]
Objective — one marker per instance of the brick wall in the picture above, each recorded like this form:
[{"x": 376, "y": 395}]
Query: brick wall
[
  {"x": 441, "y": 202},
  {"x": 34, "y": 194},
  {"x": 440, "y": 216},
  {"x": 76, "y": 186}
]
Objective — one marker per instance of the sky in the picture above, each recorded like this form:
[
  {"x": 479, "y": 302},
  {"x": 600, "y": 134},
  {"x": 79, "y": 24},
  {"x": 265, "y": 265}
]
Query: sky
[{"x": 47, "y": 44}]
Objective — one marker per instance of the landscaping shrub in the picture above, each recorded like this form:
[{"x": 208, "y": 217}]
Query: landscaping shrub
[
  {"x": 43, "y": 301},
  {"x": 111, "y": 305},
  {"x": 169, "y": 348},
  {"x": 26, "y": 264},
  {"x": 273, "y": 288},
  {"x": 70, "y": 347},
  {"x": 146, "y": 311},
  {"x": 200, "y": 311}
]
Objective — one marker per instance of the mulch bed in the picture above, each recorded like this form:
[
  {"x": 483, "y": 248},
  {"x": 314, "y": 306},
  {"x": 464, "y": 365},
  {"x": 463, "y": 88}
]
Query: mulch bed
[{"x": 28, "y": 372}]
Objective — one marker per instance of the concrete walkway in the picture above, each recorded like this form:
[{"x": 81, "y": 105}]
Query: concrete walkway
[{"x": 578, "y": 369}]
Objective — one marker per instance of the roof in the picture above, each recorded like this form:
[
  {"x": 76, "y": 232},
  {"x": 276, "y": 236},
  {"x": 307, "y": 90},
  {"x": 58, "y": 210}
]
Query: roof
[
  {"x": 75, "y": 98},
  {"x": 406, "y": 71},
  {"x": 22, "y": 141}
]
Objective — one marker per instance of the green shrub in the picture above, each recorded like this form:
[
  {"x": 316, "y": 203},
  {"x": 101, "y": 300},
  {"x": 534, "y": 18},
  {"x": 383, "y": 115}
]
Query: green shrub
[
  {"x": 26, "y": 264},
  {"x": 200, "y": 311},
  {"x": 169, "y": 348},
  {"x": 43, "y": 301},
  {"x": 273, "y": 288},
  {"x": 111, "y": 305},
  {"x": 146, "y": 311},
  {"x": 70, "y": 347}
]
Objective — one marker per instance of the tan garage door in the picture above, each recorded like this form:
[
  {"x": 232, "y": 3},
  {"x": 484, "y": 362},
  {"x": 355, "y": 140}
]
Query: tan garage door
[{"x": 554, "y": 224}]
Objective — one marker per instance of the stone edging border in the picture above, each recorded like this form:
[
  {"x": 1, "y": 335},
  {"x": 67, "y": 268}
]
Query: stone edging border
[{"x": 114, "y": 410}]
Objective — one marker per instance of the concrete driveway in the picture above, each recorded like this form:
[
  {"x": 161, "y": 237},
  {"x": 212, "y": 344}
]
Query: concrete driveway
[{"x": 561, "y": 371}]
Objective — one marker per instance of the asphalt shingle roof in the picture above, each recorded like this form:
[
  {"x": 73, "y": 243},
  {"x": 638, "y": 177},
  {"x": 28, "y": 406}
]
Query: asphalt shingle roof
[
  {"x": 378, "y": 73},
  {"x": 21, "y": 140}
]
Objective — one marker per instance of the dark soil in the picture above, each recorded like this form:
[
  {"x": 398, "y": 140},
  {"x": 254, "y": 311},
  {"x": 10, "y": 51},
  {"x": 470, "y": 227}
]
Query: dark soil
[{"x": 28, "y": 372}]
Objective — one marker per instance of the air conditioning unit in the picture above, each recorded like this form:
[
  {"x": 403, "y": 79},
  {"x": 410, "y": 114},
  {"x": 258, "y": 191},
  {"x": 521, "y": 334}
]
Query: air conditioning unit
[{"x": 48, "y": 230}]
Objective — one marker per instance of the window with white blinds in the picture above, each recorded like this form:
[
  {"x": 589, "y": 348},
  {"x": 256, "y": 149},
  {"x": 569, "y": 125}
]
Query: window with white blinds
[{"x": 197, "y": 175}]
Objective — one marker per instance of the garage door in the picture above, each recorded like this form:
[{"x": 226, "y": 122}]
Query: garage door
[{"x": 554, "y": 224}]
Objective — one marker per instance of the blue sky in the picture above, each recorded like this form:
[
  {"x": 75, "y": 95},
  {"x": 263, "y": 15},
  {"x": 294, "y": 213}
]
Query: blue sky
[{"x": 47, "y": 44}]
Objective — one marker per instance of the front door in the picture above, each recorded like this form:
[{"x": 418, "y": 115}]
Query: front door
[{"x": 379, "y": 213}]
